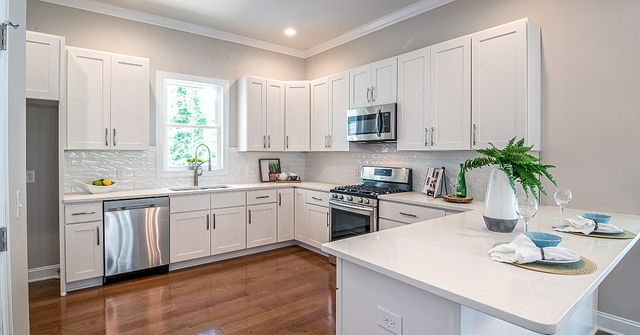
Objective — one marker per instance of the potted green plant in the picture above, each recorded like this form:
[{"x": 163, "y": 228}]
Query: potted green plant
[
  {"x": 512, "y": 167},
  {"x": 274, "y": 170}
]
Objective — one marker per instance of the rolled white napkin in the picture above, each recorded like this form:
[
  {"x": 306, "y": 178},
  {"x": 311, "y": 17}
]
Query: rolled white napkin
[
  {"x": 585, "y": 226},
  {"x": 522, "y": 250}
]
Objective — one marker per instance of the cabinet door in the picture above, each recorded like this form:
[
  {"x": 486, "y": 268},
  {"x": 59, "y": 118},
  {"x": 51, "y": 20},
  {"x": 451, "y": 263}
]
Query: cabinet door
[
  {"x": 384, "y": 80},
  {"x": 89, "y": 99},
  {"x": 275, "y": 115},
  {"x": 262, "y": 225},
  {"x": 319, "y": 115},
  {"x": 252, "y": 118},
  {"x": 297, "y": 111},
  {"x": 228, "y": 230},
  {"x": 84, "y": 251},
  {"x": 129, "y": 103},
  {"x": 338, "y": 107},
  {"x": 189, "y": 235},
  {"x": 499, "y": 84},
  {"x": 414, "y": 78},
  {"x": 43, "y": 66},
  {"x": 359, "y": 86},
  {"x": 318, "y": 225},
  {"x": 451, "y": 95},
  {"x": 301, "y": 215},
  {"x": 286, "y": 215}
]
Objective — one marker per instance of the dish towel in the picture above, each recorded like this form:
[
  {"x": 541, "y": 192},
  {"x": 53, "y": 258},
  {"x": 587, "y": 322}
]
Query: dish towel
[
  {"x": 522, "y": 250},
  {"x": 586, "y": 226}
]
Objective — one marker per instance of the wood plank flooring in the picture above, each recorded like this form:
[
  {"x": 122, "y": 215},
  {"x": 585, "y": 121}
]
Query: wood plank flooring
[{"x": 286, "y": 291}]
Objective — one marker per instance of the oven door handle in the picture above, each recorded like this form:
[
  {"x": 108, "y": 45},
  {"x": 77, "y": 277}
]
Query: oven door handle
[{"x": 367, "y": 210}]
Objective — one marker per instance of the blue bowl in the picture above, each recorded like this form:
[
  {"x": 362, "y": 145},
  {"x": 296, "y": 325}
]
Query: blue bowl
[
  {"x": 543, "y": 240},
  {"x": 597, "y": 218}
]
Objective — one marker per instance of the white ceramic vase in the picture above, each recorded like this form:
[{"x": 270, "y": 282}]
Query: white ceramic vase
[{"x": 499, "y": 203}]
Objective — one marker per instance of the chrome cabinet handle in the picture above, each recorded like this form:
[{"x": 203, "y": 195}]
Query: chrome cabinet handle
[
  {"x": 114, "y": 137},
  {"x": 83, "y": 213},
  {"x": 373, "y": 94},
  {"x": 249, "y": 216},
  {"x": 330, "y": 141},
  {"x": 368, "y": 94},
  {"x": 327, "y": 219},
  {"x": 269, "y": 141},
  {"x": 262, "y": 197},
  {"x": 325, "y": 141},
  {"x": 407, "y": 214},
  {"x": 214, "y": 221},
  {"x": 316, "y": 198},
  {"x": 426, "y": 137},
  {"x": 280, "y": 199},
  {"x": 207, "y": 221},
  {"x": 473, "y": 135},
  {"x": 287, "y": 138},
  {"x": 433, "y": 130},
  {"x": 97, "y": 235},
  {"x": 264, "y": 141},
  {"x": 106, "y": 137}
]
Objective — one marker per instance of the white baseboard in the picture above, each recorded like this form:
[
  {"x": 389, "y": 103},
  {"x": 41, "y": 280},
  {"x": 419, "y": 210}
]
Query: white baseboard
[
  {"x": 44, "y": 273},
  {"x": 616, "y": 325}
]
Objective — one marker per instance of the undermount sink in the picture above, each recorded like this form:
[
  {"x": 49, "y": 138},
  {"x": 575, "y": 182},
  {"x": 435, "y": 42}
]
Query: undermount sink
[{"x": 198, "y": 188}]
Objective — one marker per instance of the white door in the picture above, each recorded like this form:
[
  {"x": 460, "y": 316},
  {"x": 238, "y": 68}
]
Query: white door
[
  {"x": 384, "y": 81},
  {"x": 43, "y": 66},
  {"x": 256, "y": 118},
  {"x": 275, "y": 115},
  {"x": 319, "y": 115},
  {"x": 129, "y": 103},
  {"x": 360, "y": 86},
  {"x": 88, "y": 99},
  {"x": 451, "y": 95},
  {"x": 338, "y": 107},
  {"x": 414, "y": 78},
  {"x": 261, "y": 225},
  {"x": 189, "y": 236},
  {"x": 84, "y": 251},
  {"x": 300, "y": 216},
  {"x": 297, "y": 111},
  {"x": 286, "y": 214},
  {"x": 228, "y": 230},
  {"x": 499, "y": 84},
  {"x": 318, "y": 225}
]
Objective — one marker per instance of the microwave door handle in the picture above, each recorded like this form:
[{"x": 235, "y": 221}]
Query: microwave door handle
[{"x": 379, "y": 123}]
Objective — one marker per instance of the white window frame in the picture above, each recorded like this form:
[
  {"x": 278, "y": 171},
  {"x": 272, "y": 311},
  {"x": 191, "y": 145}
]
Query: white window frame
[{"x": 161, "y": 140}]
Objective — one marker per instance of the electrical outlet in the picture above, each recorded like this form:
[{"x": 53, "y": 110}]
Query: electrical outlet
[
  {"x": 31, "y": 176},
  {"x": 389, "y": 321},
  {"x": 242, "y": 171}
]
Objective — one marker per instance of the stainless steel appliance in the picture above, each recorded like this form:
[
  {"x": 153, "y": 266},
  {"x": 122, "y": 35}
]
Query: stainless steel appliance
[
  {"x": 136, "y": 237},
  {"x": 354, "y": 208},
  {"x": 372, "y": 124}
]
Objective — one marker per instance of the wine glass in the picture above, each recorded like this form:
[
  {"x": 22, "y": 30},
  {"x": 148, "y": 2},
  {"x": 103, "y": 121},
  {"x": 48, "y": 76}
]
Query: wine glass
[
  {"x": 526, "y": 207},
  {"x": 562, "y": 198}
]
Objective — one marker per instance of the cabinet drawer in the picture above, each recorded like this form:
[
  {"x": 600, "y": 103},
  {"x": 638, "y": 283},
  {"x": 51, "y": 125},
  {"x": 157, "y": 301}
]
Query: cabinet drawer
[
  {"x": 318, "y": 198},
  {"x": 83, "y": 212},
  {"x": 224, "y": 200},
  {"x": 261, "y": 197},
  {"x": 408, "y": 213},
  {"x": 189, "y": 203},
  {"x": 384, "y": 224}
]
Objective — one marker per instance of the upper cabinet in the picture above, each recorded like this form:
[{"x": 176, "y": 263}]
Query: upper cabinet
[
  {"x": 329, "y": 106},
  {"x": 506, "y": 84},
  {"x": 414, "y": 87},
  {"x": 43, "y": 65},
  {"x": 373, "y": 84},
  {"x": 108, "y": 101},
  {"x": 297, "y": 124},
  {"x": 320, "y": 115}
]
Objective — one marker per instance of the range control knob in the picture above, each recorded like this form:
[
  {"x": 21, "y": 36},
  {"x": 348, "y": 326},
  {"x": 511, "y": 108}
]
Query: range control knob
[
  {"x": 360, "y": 200},
  {"x": 366, "y": 201},
  {"x": 340, "y": 196},
  {"x": 350, "y": 198},
  {"x": 333, "y": 195}
]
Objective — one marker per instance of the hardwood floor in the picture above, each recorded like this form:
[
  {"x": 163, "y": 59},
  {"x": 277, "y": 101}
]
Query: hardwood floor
[{"x": 286, "y": 291}]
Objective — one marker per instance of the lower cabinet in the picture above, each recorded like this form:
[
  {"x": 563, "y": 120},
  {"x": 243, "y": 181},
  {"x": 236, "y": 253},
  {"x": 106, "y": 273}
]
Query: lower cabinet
[
  {"x": 189, "y": 235},
  {"x": 317, "y": 225},
  {"x": 286, "y": 215},
  {"x": 261, "y": 225},
  {"x": 300, "y": 215},
  {"x": 228, "y": 230},
  {"x": 84, "y": 251}
]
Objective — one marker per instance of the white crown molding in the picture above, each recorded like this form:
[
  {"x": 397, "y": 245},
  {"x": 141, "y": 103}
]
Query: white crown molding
[{"x": 402, "y": 14}]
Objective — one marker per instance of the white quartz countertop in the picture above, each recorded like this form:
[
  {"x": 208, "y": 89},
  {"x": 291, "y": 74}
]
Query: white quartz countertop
[
  {"x": 159, "y": 192},
  {"x": 448, "y": 257},
  {"x": 421, "y": 199}
]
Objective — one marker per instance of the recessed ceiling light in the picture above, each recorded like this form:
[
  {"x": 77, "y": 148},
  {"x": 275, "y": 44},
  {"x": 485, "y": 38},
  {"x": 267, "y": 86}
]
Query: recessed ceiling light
[{"x": 290, "y": 32}]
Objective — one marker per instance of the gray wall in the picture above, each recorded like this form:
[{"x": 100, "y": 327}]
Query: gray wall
[
  {"x": 590, "y": 85},
  {"x": 42, "y": 197},
  {"x": 169, "y": 50}
]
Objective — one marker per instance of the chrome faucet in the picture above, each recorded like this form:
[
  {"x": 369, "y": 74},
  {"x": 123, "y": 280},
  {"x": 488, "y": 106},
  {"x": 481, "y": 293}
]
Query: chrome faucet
[{"x": 196, "y": 170}]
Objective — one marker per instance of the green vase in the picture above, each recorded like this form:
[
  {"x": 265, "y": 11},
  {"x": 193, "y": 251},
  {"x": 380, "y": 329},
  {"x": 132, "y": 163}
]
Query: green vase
[{"x": 461, "y": 189}]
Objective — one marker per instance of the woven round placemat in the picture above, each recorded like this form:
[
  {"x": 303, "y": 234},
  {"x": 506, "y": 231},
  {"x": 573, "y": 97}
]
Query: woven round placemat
[
  {"x": 626, "y": 235},
  {"x": 584, "y": 267}
]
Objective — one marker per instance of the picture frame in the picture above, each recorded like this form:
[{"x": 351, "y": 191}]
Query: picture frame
[
  {"x": 269, "y": 169},
  {"x": 433, "y": 182}
]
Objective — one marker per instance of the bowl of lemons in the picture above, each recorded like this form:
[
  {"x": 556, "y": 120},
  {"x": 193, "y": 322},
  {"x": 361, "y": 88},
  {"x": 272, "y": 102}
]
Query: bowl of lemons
[{"x": 98, "y": 186}]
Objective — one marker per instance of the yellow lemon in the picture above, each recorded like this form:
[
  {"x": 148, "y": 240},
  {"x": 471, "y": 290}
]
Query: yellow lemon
[{"x": 107, "y": 182}]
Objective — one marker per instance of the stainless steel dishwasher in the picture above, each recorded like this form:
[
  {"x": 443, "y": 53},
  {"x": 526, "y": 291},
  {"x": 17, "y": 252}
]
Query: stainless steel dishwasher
[{"x": 136, "y": 238}]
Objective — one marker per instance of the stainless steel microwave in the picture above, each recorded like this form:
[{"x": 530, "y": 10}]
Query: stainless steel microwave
[{"x": 372, "y": 124}]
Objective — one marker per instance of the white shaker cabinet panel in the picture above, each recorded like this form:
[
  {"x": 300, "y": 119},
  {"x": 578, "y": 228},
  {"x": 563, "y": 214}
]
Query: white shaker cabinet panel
[
  {"x": 451, "y": 95},
  {"x": 189, "y": 235},
  {"x": 89, "y": 99},
  {"x": 129, "y": 103},
  {"x": 320, "y": 115},
  {"x": 297, "y": 111},
  {"x": 275, "y": 115},
  {"x": 301, "y": 215},
  {"x": 286, "y": 214},
  {"x": 228, "y": 230},
  {"x": 317, "y": 225},
  {"x": 414, "y": 87},
  {"x": 43, "y": 65},
  {"x": 252, "y": 118},
  {"x": 84, "y": 251},
  {"x": 338, "y": 86},
  {"x": 360, "y": 86},
  {"x": 261, "y": 225},
  {"x": 384, "y": 81}
]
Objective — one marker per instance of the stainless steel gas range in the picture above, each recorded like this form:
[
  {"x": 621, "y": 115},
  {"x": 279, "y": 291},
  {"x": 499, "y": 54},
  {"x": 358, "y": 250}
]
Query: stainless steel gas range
[{"x": 354, "y": 208}]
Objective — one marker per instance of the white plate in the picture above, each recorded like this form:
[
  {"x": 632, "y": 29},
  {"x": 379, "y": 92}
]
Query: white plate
[{"x": 549, "y": 261}]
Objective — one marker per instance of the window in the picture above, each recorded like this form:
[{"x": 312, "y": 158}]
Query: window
[{"x": 191, "y": 111}]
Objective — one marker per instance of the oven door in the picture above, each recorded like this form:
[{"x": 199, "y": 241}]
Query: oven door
[
  {"x": 348, "y": 220},
  {"x": 376, "y": 123}
]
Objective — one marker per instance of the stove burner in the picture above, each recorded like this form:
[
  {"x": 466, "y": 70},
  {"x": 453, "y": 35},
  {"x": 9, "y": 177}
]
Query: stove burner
[{"x": 367, "y": 190}]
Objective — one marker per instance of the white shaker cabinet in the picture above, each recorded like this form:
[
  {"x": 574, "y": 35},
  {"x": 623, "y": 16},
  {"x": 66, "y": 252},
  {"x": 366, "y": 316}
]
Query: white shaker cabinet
[
  {"x": 261, "y": 114},
  {"x": 506, "y": 84},
  {"x": 297, "y": 113},
  {"x": 319, "y": 115},
  {"x": 329, "y": 106},
  {"x": 275, "y": 115},
  {"x": 414, "y": 87},
  {"x": 261, "y": 225},
  {"x": 286, "y": 214},
  {"x": 228, "y": 230},
  {"x": 318, "y": 230},
  {"x": 189, "y": 235},
  {"x": 43, "y": 65},
  {"x": 300, "y": 215},
  {"x": 373, "y": 84},
  {"x": 84, "y": 256}
]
